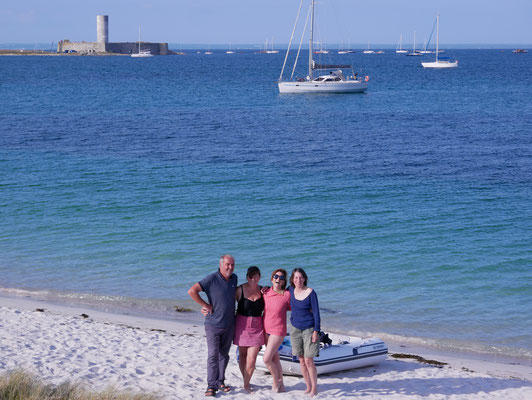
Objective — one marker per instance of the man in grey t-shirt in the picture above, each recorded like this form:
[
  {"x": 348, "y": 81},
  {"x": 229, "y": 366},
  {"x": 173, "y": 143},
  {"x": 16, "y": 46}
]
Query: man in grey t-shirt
[{"x": 219, "y": 312}]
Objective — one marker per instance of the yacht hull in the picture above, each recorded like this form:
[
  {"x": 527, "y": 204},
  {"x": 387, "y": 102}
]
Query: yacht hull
[
  {"x": 323, "y": 87},
  {"x": 142, "y": 54},
  {"x": 440, "y": 64}
]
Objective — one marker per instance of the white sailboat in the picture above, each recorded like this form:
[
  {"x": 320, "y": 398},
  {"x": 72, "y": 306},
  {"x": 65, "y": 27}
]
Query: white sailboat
[
  {"x": 425, "y": 51},
  {"x": 414, "y": 52},
  {"x": 368, "y": 51},
  {"x": 141, "y": 53},
  {"x": 320, "y": 49},
  {"x": 399, "y": 49},
  {"x": 348, "y": 51},
  {"x": 440, "y": 62},
  {"x": 269, "y": 50},
  {"x": 332, "y": 78}
]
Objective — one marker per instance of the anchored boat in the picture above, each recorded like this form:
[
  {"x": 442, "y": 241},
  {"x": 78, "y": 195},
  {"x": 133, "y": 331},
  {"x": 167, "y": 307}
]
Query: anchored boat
[
  {"x": 142, "y": 53},
  {"x": 440, "y": 62},
  {"x": 331, "y": 79},
  {"x": 342, "y": 354}
]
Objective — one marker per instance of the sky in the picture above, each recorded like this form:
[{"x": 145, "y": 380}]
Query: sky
[{"x": 236, "y": 22}]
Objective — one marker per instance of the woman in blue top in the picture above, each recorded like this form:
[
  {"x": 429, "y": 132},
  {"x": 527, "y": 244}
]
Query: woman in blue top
[{"x": 305, "y": 320}]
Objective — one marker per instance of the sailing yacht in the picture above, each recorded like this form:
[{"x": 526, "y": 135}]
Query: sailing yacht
[
  {"x": 142, "y": 53},
  {"x": 331, "y": 79},
  {"x": 399, "y": 49},
  {"x": 414, "y": 52},
  {"x": 425, "y": 51},
  {"x": 268, "y": 50},
  {"x": 320, "y": 49},
  {"x": 440, "y": 61},
  {"x": 348, "y": 51},
  {"x": 368, "y": 51}
]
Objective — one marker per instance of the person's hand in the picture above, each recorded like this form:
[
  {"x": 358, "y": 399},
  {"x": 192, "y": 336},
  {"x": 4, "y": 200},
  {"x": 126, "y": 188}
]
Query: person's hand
[
  {"x": 206, "y": 310},
  {"x": 315, "y": 336},
  {"x": 265, "y": 289}
]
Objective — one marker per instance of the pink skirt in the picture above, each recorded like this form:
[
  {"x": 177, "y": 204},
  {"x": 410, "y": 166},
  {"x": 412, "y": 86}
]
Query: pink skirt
[{"x": 249, "y": 331}]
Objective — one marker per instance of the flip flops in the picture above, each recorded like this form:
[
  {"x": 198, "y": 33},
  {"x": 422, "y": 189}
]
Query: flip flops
[{"x": 210, "y": 392}]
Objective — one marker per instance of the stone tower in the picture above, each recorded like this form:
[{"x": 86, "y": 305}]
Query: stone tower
[{"x": 102, "y": 29}]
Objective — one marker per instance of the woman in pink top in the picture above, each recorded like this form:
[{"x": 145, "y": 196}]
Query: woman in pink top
[{"x": 276, "y": 304}]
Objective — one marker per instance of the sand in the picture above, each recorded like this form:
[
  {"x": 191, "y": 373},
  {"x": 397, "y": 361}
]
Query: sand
[{"x": 168, "y": 358}]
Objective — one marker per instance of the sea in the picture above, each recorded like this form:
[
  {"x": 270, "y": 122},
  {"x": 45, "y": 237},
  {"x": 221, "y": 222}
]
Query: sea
[{"x": 123, "y": 180}]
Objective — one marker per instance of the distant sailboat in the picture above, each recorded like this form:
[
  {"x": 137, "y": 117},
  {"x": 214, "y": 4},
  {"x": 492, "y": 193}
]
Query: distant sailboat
[
  {"x": 144, "y": 53},
  {"x": 399, "y": 49},
  {"x": 348, "y": 51},
  {"x": 268, "y": 49},
  {"x": 440, "y": 62},
  {"x": 425, "y": 51},
  {"x": 332, "y": 80},
  {"x": 320, "y": 50},
  {"x": 414, "y": 52},
  {"x": 368, "y": 51}
]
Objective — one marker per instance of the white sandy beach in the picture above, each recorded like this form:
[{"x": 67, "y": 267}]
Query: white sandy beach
[{"x": 168, "y": 358}]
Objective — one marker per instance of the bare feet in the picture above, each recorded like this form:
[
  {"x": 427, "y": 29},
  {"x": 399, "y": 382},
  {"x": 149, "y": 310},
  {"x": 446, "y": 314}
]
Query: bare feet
[
  {"x": 281, "y": 389},
  {"x": 312, "y": 393},
  {"x": 248, "y": 389}
]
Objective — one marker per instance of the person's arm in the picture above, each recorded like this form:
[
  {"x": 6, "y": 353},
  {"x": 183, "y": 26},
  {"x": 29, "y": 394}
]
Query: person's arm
[
  {"x": 237, "y": 296},
  {"x": 316, "y": 314},
  {"x": 194, "y": 293}
]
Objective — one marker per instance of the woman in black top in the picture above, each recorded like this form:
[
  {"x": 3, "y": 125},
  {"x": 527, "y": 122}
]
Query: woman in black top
[{"x": 249, "y": 328}]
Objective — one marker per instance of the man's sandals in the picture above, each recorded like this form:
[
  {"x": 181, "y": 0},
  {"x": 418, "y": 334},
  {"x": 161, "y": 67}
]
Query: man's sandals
[{"x": 212, "y": 392}]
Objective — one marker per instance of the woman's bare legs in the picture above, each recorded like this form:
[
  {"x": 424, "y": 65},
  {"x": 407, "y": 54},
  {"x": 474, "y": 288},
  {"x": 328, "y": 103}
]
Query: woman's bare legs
[
  {"x": 277, "y": 361},
  {"x": 310, "y": 374},
  {"x": 247, "y": 357},
  {"x": 250, "y": 366},
  {"x": 273, "y": 361},
  {"x": 242, "y": 361}
]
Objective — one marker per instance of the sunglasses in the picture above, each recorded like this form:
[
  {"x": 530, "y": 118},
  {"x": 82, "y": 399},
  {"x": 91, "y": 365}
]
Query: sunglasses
[{"x": 280, "y": 277}]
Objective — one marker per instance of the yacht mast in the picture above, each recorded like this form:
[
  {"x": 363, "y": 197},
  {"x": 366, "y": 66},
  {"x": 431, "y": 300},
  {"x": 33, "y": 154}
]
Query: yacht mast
[
  {"x": 437, "y": 36},
  {"x": 310, "y": 60},
  {"x": 139, "y": 39}
]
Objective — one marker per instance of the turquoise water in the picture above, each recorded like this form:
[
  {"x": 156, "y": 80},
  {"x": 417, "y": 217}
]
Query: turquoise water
[{"x": 122, "y": 181}]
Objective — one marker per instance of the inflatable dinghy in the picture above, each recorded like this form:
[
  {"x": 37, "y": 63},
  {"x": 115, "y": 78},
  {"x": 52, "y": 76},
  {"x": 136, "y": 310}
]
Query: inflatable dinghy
[{"x": 343, "y": 353}]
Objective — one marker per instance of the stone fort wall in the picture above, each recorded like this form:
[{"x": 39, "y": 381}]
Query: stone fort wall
[{"x": 116, "y": 48}]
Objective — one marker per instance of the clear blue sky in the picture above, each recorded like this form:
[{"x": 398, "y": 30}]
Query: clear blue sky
[{"x": 253, "y": 21}]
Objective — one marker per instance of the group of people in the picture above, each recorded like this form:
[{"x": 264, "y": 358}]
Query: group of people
[{"x": 260, "y": 319}]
